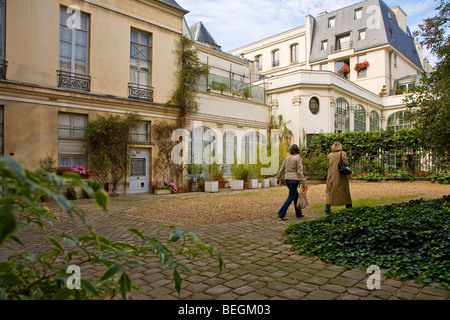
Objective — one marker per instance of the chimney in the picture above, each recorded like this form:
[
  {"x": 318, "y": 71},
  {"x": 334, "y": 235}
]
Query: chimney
[{"x": 401, "y": 17}]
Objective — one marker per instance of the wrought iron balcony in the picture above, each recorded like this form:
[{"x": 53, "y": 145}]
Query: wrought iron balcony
[
  {"x": 3, "y": 64},
  {"x": 342, "y": 46},
  {"x": 139, "y": 91},
  {"x": 74, "y": 81}
]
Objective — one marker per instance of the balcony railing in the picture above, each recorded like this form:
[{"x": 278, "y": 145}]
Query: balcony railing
[
  {"x": 342, "y": 46},
  {"x": 74, "y": 81},
  {"x": 139, "y": 91},
  {"x": 3, "y": 64}
]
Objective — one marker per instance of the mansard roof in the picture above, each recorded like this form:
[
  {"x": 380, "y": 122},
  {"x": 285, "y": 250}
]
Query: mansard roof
[
  {"x": 378, "y": 33},
  {"x": 174, "y": 4},
  {"x": 200, "y": 34}
]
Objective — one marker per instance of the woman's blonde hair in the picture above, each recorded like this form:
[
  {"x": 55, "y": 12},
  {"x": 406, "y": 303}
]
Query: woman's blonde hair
[{"x": 337, "y": 147}]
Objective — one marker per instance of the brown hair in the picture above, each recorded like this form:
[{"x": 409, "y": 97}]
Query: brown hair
[
  {"x": 294, "y": 149},
  {"x": 337, "y": 147}
]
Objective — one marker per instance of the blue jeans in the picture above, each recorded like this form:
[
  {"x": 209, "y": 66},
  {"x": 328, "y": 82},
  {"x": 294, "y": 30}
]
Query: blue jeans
[{"x": 293, "y": 197}]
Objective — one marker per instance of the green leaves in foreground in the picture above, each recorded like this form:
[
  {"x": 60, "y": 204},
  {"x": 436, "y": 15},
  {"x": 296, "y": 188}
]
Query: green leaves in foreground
[{"x": 411, "y": 240}]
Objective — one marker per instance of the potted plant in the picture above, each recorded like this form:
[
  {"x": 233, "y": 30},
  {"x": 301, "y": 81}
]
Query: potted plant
[
  {"x": 246, "y": 92},
  {"x": 71, "y": 194},
  {"x": 343, "y": 71},
  {"x": 194, "y": 174},
  {"x": 165, "y": 189},
  {"x": 213, "y": 176},
  {"x": 361, "y": 66},
  {"x": 253, "y": 174},
  {"x": 240, "y": 174},
  {"x": 83, "y": 172}
]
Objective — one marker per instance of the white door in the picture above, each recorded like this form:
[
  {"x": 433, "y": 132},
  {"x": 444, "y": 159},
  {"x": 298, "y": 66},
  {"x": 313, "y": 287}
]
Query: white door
[{"x": 139, "y": 171}]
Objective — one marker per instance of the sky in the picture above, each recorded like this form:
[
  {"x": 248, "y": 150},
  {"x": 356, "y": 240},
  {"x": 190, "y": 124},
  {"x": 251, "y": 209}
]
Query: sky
[{"x": 235, "y": 23}]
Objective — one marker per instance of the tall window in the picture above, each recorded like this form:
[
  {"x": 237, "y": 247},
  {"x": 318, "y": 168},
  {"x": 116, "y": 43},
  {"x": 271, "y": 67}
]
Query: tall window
[
  {"x": 250, "y": 147},
  {"x": 360, "y": 118},
  {"x": 203, "y": 143},
  {"x": 140, "y": 58},
  {"x": 362, "y": 35},
  {"x": 399, "y": 120},
  {"x": 294, "y": 53},
  {"x": 71, "y": 140},
  {"x": 1, "y": 129},
  {"x": 362, "y": 72},
  {"x": 229, "y": 151},
  {"x": 374, "y": 121},
  {"x": 2, "y": 30},
  {"x": 141, "y": 132},
  {"x": 73, "y": 44},
  {"x": 258, "y": 60},
  {"x": 358, "y": 13},
  {"x": 324, "y": 45},
  {"x": 276, "y": 58},
  {"x": 343, "y": 42},
  {"x": 342, "y": 116}
]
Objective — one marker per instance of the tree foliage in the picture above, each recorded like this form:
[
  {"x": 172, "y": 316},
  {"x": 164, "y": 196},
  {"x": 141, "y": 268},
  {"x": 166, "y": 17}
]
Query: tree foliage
[
  {"x": 108, "y": 140},
  {"x": 42, "y": 274},
  {"x": 430, "y": 101},
  {"x": 184, "y": 96}
]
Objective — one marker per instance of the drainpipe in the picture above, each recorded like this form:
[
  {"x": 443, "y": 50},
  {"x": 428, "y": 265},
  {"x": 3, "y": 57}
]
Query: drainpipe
[{"x": 390, "y": 71}]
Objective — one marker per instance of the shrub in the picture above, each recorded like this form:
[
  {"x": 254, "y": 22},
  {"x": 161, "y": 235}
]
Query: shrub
[{"x": 410, "y": 239}]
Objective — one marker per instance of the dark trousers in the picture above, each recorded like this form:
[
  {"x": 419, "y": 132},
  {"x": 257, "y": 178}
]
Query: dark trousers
[{"x": 292, "y": 197}]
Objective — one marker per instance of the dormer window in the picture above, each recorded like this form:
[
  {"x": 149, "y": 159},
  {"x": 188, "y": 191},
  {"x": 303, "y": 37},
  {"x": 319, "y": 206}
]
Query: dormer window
[
  {"x": 389, "y": 15},
  {"x": 358, "y": 14},
  {"x": 324, "y": 45}
]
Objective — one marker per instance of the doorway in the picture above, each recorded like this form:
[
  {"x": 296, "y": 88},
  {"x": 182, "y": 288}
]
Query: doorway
[{"x": 139, "y": 171}]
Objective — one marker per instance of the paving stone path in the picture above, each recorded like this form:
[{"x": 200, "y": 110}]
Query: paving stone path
[{"x": 258, "y": 265}]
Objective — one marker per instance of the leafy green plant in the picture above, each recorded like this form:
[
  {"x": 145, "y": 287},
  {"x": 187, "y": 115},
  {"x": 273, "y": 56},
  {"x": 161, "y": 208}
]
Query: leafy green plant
[
  {"x": 42, "y": 275},
  {"x": 408, "y": 239},
  {"x": 246, "y": 92},
  {"x": 94, "y": 186},
  {"x": 371, "y": 177},
  {"x": 71, "y": 193},
  {"x": 315, "y": 165},
  {"x": 240, "y": 172}
]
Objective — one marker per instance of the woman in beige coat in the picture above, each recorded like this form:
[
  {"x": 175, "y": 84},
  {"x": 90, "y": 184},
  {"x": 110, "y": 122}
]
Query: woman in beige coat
[{"x": 338, "y": 189}]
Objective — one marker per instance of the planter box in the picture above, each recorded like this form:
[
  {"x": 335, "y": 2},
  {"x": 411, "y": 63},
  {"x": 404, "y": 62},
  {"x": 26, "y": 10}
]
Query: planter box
[
  {"x": 237, "y": 184},
  {"x": 253, "y": 183},
  {"x": 259, "y": 185},
  {"x": 194, "y": 187},
  {"x": 163, "y": 191},
  {"x": 211, "y": 186},
  {"x": 266, "y": 183},
  {"x": 273, "y": 181}
]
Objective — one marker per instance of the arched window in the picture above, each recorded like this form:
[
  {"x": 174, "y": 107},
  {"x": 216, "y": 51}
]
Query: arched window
[
  {"x": 374, "y": 121},
  {"x": 314, "y": 105},
  {"x": 399, "y": 120},
  {"x": 229, "y": 151},
  {"x": 250, "y": 148},
  {"x": 360, "y": 118},
  {"x": 342, "y": 116},
  {"x": 203, "y": 143}
]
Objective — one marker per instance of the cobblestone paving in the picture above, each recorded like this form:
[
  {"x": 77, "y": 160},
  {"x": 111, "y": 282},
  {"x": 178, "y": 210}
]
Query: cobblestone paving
[{"x": 258, "y": 266}]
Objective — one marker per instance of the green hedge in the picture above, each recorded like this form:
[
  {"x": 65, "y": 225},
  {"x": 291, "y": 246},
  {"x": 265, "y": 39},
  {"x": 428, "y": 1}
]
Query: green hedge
[{"x": 411, "y": 240}]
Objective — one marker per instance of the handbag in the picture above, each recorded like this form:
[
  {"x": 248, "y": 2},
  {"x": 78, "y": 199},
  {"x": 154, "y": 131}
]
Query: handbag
[
  {"x": 302, "y": 202},
  {"x": 344, "y": 169}
]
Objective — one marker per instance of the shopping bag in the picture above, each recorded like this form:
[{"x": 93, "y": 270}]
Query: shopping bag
[{"x": 302, "y": 202}]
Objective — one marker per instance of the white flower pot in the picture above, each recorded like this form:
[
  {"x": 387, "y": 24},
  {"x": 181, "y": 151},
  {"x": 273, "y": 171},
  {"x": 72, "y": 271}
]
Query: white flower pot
[
  {"x": 266, "y": 183},
  {"x": 259, "y": 185},
  {"x": 273, "y": 181},
  {"x": 212, "y": 186},
  {"x": 237, "y": 184},
  {"x": 253, "y": 183}
]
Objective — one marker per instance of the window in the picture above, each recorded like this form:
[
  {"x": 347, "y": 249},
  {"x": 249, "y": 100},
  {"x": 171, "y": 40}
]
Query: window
[
  {"x": 324, "y": 45},
  {"x": 2, "y": 30},
  {"x": 71, "y": 140},
  {"x": 229, "y": 151},
  {"x": 374, "y": 121},
  {"x": 294, "y": 53},
  {"x": 73, "y": 44},
  {"x": 395, "y": 60},
  {"x": 141, "y": 132},
  {"x": 275, "y": 58},
  {"x": 203, "y": 143},
  {"x": 389, "y": 15},
  {"x": 258, "y": 60},
  {"x": 140, "y": 58},
  {"x": 331, "y": 22},
  {"x": 362, "y": 35},
  {"x": 358, "y": 13},
  {"x": 314, "y": 105},
  {"x": 250, "y": 147},
  {"x": 360, "y": 118},
  {"x": 342, "y": 116},
  {"x": 399, "y": 120},
  {"x": 343, "y": 42},
  {"x": 391, "y": 34},
  {"x": 138, "y": 167},
  {"x": 1, "y": 129},
  {"x": 324, "y": 67},
  {"x": 362, "y": 72}
]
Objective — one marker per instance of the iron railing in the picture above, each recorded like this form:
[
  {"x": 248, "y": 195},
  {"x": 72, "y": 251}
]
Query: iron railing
[
  {"x": 3, "y": 64},
  {"x": 74, "y": 81},
  {"x": 342, "y": 46},
  {"x": 139, "y": 91}
]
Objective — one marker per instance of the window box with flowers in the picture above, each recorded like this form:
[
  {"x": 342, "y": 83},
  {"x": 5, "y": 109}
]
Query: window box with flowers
[
  {"x": 344, "y": 71},
  {"x": 361, "y": 68},
  {"x": 83, "y": 172}
]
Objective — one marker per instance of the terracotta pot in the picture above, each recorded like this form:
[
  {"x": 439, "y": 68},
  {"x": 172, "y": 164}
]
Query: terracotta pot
[
  {"x": 221, "y": 184},
  {"x": 245, "y": 185}
]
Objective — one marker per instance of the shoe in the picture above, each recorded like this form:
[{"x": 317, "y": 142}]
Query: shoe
[{"x": 282, "y": 217}]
